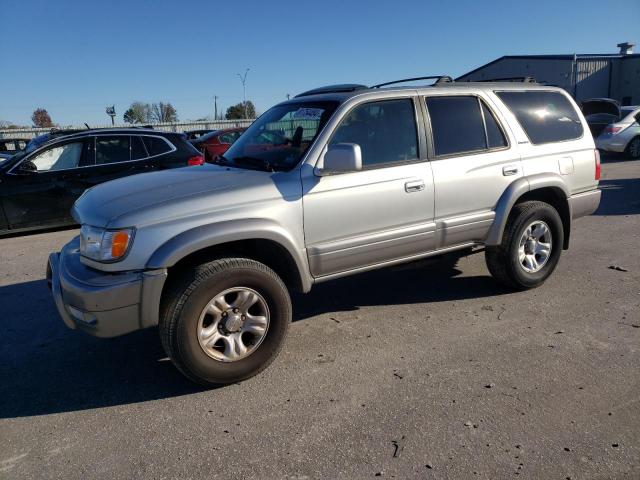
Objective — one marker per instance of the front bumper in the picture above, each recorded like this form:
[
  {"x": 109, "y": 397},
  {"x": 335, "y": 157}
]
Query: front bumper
[{"x": 99, "y": 303}]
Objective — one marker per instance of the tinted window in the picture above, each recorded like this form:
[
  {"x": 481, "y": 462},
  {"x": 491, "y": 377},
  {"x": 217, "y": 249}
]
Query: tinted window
[
  {"x": 112, "y": 149},
  {"x": 156, "y": 146},
  {"x": 385, "y": 131},
  {"x": 545, "y": 116},
  {"x": 229, "y": 137},
  {"x": 137, "y": 149},
  {"x": 495, "y": 137},
  {"x": 456, "y": 123}
]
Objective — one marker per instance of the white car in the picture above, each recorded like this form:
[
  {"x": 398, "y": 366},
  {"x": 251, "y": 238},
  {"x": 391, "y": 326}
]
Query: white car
[{"x": 623, "y": 135}]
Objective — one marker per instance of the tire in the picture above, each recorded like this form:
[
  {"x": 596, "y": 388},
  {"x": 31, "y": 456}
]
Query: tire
[
  {"x": 633, "y": 148},
  {"x": 504, "y": 261},
  {"x": 183, "y": 320}
]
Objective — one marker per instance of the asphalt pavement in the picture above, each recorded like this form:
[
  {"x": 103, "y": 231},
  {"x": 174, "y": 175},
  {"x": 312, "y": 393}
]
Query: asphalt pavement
[{"x": 428, "y": 370}]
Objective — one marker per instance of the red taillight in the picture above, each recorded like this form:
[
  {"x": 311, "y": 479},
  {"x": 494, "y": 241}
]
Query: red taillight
[
  {"x": 597, "y": 157},
  {"x": 195, "y": 160},
  {"x": 611, "y": 130}
]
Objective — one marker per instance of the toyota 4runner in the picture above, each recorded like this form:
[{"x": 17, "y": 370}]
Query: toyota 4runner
[{"x": 336, "y": 181}]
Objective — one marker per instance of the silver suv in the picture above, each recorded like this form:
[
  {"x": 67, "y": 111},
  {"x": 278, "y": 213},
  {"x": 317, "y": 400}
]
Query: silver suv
[{"x": 336, "y": 181}]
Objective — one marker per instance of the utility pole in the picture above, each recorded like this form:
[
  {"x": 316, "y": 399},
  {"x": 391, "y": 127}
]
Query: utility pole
[
  {"x": 288, "y": 96},
  {"x": 243, "y": 79},
  {"x": 215, "y": 107}
]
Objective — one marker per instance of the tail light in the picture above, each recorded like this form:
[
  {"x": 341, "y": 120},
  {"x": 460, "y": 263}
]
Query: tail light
[
  {"x": 195, "y": 160},
  {"x": 611, "y": 130},
  {"x": 597, "y": 158}
]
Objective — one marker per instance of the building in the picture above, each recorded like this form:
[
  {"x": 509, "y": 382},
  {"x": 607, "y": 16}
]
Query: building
[{"x": 582, "y": 75}]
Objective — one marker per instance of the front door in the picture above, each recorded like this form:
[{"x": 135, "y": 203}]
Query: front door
[
  {"x": 381, "y": 213},
  {"x": 37, "y": 191}
]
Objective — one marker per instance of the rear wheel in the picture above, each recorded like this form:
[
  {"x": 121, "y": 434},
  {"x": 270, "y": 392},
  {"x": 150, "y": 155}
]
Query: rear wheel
[
  {"x": 633, "y": 148},
  {"x": 531, "y": 246},
  {"x": 225, "y": 321}
]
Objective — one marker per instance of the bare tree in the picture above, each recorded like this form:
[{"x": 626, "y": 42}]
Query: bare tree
[
  {"x": 41, "y": 118},
  {"x": 163, "y": 112}
]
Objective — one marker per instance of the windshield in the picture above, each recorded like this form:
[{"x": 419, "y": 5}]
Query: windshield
[{"x": 280, "y": 137}]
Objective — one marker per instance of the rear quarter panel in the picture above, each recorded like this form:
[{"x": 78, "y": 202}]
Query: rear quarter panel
[{"x": 572, "y": 160}]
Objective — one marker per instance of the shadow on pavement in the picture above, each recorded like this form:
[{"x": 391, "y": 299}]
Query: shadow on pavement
[
  {"x": 619, "y": 197},
  {"x": 46, "y": 368}
]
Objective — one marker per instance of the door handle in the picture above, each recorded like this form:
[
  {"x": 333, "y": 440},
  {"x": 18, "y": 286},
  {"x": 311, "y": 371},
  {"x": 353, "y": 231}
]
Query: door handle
[
  {"x": 509, "y": 170},
  {"x": 415, "y": 186}
]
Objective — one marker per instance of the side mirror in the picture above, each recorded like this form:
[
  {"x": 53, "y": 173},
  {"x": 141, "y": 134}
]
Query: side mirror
[
  {"x": 28, "y": 167},
  {"x": 342, "y": 158},
  {"x": 637, "y": 117}
]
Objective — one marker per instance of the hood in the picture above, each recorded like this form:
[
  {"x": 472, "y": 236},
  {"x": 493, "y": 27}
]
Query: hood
[
  {"x": 157, "y": 196},
  {"x": 601, "y": 105}
]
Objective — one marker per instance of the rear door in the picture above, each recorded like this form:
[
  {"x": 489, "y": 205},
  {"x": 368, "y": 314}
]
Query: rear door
[
  {"x": 474, "y": 159},
  {"x": 36, "y": 191}
]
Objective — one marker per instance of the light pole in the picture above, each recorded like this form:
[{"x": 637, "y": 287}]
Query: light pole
[
  {"x": 111, "y": 111},
  {"x": 243, "y": 79}
]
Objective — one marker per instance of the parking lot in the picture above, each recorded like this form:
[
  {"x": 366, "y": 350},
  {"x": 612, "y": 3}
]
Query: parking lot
[{"x": 420, "y": 371}]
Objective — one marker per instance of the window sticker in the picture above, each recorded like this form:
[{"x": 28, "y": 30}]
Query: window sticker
[{"x": 308, "y": 113}]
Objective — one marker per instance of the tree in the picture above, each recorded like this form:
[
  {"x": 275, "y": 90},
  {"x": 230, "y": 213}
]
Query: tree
[
  {"x": 138, "y": 112},
  {"x": 41, "y": 118},
  {"x": 163, "y": 112},
  {"x": 236, "y": 112}
]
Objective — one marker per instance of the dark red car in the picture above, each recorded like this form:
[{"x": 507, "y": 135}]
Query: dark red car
[{"x": 217, "y": 142}]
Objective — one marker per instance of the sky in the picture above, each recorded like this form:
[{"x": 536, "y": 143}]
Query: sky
[{"x": 74, "y": 58}]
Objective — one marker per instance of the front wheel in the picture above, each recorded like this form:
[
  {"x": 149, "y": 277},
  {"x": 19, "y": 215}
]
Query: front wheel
[
  {"x": 530, "y": 248},
  {"x": 224, "y": 321}
]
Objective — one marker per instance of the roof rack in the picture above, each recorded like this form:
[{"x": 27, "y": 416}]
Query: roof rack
[
  {"x": 438, "y": 80},
  {"x": 507, "y": 79},
  {"x": 343, "y": 87}
]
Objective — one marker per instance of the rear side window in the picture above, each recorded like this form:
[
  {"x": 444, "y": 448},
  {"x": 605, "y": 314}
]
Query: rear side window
[
  {"x": 545, "y": 116},
  {"x": 137, "y": 149},
  {"x": 156, "y": 145},
  {"x": 495, "y": 137},
  {"x": 112, "y": 149},
  {"x": 457, "y": 124}
]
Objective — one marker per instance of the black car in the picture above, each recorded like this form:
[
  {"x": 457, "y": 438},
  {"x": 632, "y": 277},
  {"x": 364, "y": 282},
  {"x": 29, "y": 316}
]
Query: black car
[{"x": 38, "y": 187}]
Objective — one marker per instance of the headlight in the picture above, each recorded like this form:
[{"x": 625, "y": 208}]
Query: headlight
[{"x": 104, "y": 245}]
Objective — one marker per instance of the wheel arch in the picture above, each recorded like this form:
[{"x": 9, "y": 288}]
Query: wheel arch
[
  {"x": 257, "y": 239},
  {"x": 548, "y": 188}
]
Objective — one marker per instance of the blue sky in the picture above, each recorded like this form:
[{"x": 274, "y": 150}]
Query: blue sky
[{"x": 76, "y": 57}]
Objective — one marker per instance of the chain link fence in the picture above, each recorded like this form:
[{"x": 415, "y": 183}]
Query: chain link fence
[{"x": 28, "y": 133}]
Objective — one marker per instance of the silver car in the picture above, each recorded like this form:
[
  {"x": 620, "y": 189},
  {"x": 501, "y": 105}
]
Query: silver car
[
  {"x": 334, "y": 182},
  {"x": 622, "y": 136}
]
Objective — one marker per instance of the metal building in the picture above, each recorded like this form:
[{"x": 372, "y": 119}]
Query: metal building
[{"x": 582, "y": 75}]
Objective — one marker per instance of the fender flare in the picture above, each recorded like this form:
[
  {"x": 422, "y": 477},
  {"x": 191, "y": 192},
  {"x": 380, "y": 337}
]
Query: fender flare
[
  {"x": 199, "y": 238},
  {"x": 513, "y": 192}
]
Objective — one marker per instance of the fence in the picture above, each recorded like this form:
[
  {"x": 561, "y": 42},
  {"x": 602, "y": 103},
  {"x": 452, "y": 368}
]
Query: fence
[{"x": 28, "y": 133}]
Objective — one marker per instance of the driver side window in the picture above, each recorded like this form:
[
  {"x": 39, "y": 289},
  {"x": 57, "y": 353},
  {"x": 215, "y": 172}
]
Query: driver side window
[
  {"x": 385, "y": 130},
  {"x": 62, "y": 157}
]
